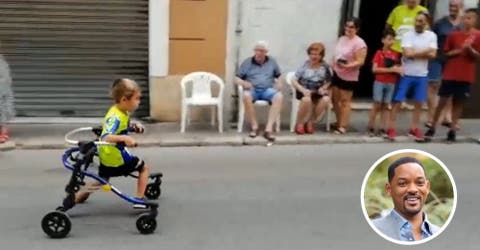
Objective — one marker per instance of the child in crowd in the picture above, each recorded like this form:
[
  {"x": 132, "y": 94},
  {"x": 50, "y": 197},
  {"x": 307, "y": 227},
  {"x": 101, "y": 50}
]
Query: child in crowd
[{"x": 386, "y": 67}]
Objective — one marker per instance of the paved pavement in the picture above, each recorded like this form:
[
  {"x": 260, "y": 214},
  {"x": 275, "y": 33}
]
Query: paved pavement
[
  {"x": 50, "y": 135},
  {"x": 227, "y": 198}
]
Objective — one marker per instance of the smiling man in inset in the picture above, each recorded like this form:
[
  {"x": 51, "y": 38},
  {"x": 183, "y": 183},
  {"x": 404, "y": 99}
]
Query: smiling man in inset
[{"x": 409, "y": 188}]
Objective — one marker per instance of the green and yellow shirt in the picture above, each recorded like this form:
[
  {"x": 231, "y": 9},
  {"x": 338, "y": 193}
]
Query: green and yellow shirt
[{"x": 116, "y": 122}]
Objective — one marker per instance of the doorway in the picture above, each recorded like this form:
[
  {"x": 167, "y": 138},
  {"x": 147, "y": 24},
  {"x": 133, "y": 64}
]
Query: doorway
[
  {"x": 373, "y": 16},
  {"x": 373, "y": 19}
]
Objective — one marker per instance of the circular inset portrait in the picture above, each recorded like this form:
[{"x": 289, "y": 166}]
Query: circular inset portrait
[{"x": 408, "y": 197}]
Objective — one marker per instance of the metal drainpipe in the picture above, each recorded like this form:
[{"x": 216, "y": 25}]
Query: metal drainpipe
[{"x": 238, "y": 35}]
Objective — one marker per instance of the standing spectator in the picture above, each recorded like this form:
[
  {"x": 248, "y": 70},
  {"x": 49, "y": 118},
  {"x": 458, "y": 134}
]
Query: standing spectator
[
  {"x": 442, "y": 28},
  {"x": 7, "y": 111},
  {"x": 402, "y": 20},
  {"x": 311, "y": 82},
  {"x": 350, "y": 54},
  {"x": 387, "y": 68},
  {"x": 462, "y": 50},
  {"x": 258, "y": 75},
  {"x": 418, "y": 46}
]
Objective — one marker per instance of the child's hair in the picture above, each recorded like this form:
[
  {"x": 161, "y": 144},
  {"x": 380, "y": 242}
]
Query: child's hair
[
  {"x": 472, "y": 10},
  {"x": 123, "y": 88},
  {"x": 425, "y": 14},
  {"x": 388, "y": 32}
]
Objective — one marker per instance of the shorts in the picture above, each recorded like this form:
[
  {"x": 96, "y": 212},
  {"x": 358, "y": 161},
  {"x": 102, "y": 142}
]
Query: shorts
[
  {"x": 419, "y": 84},
  {"x": 7, "y": 109},
  {"x": 383, "y": 92},
  {"x": 343, "y": 84},
  {"x": 135, "y": 165},
  {"x": 456, "y": 89},
  {"x": 434, "y": 71},
  {"x": 263, "y": 94},
  {"x": 315, "y": 96}
]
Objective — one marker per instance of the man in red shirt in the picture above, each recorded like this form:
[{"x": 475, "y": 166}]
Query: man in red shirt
[{"x": 462, "y": 51}]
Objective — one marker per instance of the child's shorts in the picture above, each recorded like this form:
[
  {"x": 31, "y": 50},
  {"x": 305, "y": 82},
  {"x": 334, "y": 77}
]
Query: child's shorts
[
  {"x": 383, "y": 92},
  {"x": 135, "y": 165}
]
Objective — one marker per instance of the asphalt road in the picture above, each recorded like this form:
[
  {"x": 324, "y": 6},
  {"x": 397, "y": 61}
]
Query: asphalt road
[{"x": 295, "y": 197}]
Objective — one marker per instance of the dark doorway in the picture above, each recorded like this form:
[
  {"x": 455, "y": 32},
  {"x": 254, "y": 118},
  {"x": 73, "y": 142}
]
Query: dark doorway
[{"x": 373, "y": 16}]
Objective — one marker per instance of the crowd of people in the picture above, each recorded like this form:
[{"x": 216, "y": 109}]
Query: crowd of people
[{"x": 419, "y": 60}]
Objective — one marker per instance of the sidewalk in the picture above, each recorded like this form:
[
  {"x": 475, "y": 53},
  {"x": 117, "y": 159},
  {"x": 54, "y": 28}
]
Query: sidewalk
[{"x": 27, "y": 135}]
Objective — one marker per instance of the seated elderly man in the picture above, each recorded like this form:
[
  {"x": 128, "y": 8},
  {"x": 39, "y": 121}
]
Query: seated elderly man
[{"x": 258, "y": 75}]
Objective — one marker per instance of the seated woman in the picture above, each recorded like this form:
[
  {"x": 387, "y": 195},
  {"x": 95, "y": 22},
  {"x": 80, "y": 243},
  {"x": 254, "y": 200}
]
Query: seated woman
[{"x": 311, "y": 82}]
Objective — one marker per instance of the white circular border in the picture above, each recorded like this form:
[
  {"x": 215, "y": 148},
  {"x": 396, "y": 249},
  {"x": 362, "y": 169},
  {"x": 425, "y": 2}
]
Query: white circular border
[{"x": 401, "y": 151}]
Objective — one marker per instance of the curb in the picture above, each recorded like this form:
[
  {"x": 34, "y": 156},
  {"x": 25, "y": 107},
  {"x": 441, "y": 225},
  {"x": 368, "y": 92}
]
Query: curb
[
  {"x": 7, "y": 146},
  {"x": 237, "y": 141}
]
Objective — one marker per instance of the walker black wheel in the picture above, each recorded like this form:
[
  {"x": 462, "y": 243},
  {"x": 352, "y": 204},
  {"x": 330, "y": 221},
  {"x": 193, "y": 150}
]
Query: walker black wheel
[
  {"x": 153, "y": 191},
  {"x": 146, "y": 223},
  {"x": 56, "y": 224}
]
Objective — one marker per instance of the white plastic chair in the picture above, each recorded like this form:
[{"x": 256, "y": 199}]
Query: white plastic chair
[
  {"x": 201, "y": 95},
  {"x": 241, "y": 111},
  {"x": 296, "y": 105}
]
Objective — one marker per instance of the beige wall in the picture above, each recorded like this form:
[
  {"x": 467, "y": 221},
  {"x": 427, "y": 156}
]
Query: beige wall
[
  {"x": 198, "y": 36},
  {"x": 197, "y": 42},
  {"x": 165, "y": 100}
]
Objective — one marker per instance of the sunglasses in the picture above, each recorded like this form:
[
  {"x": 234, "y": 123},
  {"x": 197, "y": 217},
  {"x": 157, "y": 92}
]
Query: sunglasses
[{"x": 350, "y": 26}]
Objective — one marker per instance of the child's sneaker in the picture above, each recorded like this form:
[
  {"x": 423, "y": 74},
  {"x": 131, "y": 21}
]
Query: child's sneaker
[
  {"x": 451, "y": 136},
  {"x": 371, "y": 132},
  {"x": 391, "y": 134},
  {"x": 140, "y": 206},
  {"x": 416, "y": 134}
]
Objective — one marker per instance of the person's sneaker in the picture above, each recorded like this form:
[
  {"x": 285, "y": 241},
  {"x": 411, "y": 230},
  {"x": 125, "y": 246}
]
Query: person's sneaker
[
  {"x": 416, "y": 134},
  {"x": 430, "y": 133},
  {"x": 391, "y": 134},
  {"x": 451, "y": 136},
  {"x": 140, "y": 206},
  {"x": 299, "y": 129},
  {"x": 371, "y": 132}
]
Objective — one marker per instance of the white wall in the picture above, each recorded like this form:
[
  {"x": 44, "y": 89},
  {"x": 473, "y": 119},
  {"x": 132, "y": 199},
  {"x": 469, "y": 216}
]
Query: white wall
[
  {"x": 159, "y": 14},
  {"x": 289, "y": 26},
  {"x": 442, "y": 7}
]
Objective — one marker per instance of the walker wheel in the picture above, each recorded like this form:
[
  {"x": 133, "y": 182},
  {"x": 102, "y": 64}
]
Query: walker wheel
[
  {"x": 153, "y": 191},
  {"x": 146, "y": 223},
  {"x": 56, "y": 224}
]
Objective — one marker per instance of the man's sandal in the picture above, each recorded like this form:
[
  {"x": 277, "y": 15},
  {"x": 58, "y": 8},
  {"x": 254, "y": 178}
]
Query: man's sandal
[
  {"x": 253, "y": 133},
  {"x": 269, "y": 136},
  {"x": 340, "y": 131}
]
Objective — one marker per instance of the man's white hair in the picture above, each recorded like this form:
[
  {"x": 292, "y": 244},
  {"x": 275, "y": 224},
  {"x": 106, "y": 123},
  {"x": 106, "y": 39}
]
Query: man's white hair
[{"x": 261, "y": 45}]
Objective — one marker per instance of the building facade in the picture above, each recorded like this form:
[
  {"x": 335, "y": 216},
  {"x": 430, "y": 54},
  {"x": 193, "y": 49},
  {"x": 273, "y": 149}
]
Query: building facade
[{"x": 64, "y": 54}]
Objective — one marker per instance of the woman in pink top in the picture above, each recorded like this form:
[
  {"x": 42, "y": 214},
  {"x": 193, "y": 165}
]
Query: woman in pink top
[{"x": 350, "y": 54}]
